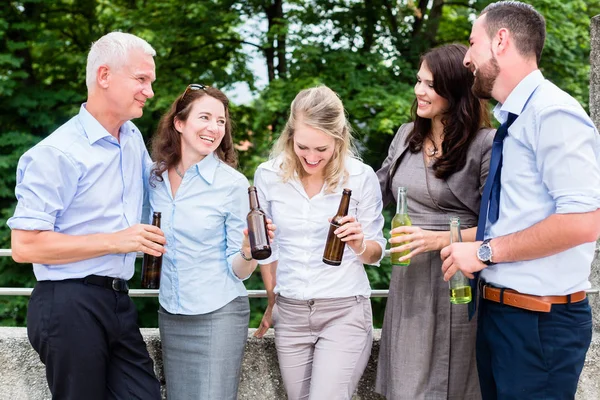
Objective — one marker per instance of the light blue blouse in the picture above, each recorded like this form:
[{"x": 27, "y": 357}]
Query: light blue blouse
[
  {"x": 551, "y": 165},
  {"x": 203, "y": 225}
]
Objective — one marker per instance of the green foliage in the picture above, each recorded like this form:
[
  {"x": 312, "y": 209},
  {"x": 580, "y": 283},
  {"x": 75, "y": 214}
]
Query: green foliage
[{"x": 367, "y": 51}]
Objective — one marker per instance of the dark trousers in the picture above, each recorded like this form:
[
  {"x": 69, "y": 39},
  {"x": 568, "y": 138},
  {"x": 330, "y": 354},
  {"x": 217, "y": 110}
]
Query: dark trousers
[
  {"x": 88, "y": 338},
  {"x": 531, "y": 355}
]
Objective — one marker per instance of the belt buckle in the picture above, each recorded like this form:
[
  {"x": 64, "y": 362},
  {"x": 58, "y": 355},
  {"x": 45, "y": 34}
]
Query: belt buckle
[
  {"x": 481, "y": 286},
  {"x": 119, "y": 285}
]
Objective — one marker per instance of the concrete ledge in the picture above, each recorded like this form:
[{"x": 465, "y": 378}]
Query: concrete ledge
[{"x": 22, "y": 374}]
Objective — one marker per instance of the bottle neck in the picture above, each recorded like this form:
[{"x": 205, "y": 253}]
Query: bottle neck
[
  {"x": 344, "y": 205},
  {"x": 253, "y": 200},
  {"x": 455, "y": 235},
  {"x": 156, "y": 220},
  {"x": 402, "y": 206}
]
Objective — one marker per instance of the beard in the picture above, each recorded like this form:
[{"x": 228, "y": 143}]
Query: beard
[{"x": 485, "y": 79}]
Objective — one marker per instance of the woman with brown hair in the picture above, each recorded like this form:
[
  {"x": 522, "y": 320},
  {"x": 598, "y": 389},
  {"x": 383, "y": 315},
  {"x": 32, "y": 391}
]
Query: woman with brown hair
[
  {"x": 442, "y": 158},
  {"x": 204, "y": 311}
]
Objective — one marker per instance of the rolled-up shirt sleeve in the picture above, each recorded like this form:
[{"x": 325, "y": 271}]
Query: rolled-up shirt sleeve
[
  {"x": 46, "y": 184},
  {"x": 567, "y": 156},
  {"x": 369, "y": 212},
  {"x": 265, "y": 204}
]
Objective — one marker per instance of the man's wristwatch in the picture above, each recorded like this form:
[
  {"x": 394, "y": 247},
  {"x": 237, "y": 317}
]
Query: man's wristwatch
[{"x": 484, "y": 252}]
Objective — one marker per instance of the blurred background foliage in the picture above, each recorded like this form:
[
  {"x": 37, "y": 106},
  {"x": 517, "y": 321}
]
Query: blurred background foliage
[{"x": 366, "y": 50}]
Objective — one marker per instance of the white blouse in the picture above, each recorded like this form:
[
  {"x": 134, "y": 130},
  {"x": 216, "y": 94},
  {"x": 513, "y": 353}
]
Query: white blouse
[{"x": 302, "y": 228}]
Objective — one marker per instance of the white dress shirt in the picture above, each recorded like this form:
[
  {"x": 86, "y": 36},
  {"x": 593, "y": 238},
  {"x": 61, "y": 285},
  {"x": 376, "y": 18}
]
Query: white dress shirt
[{"x": 302, "y": 228}]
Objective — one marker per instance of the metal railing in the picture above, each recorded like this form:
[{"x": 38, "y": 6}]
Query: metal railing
[{"x": 7, "y": 291}]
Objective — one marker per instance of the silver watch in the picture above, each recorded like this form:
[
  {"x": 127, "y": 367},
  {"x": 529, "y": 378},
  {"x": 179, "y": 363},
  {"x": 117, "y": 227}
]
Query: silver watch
[{"x": 484, "y": 252}]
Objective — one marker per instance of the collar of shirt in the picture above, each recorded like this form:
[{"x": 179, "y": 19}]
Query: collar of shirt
[
  {"x": 353, "y": 169},
  {"x": 94, "y": 130},
  {"x": 206, "y": 169},
  {"x": 518, "y": 98}
]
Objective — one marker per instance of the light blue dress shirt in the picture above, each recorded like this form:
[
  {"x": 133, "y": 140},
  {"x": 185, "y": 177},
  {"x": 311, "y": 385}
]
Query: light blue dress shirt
[
  {"x": 81, "y": 180},
  {"x": 551, "y": 164},
  {"x": 203, "y": 224}
]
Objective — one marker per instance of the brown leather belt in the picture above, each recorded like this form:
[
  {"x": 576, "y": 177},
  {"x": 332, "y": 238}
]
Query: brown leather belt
[{"x": 527, "y": 301}]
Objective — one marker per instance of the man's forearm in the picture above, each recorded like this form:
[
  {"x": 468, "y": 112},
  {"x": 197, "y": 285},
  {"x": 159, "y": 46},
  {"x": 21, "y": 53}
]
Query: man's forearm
[
  {"x": 557, "y": 233},
  {"x": 48, "y": 247}
]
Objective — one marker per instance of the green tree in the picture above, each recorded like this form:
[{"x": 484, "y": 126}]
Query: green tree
[{"x": 366, "y": 50}]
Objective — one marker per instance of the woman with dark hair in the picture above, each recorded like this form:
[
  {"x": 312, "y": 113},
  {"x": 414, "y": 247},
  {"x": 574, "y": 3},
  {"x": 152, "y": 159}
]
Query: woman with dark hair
[
  {"x": 428, "y": 345},
  {"x": 204, "y": 311}
]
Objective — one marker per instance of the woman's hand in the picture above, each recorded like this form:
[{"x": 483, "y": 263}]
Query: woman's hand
[
  {"x": 266, "y": 323},
  {"x": 416, "y": 240},
  {"x": 271, "y": 228},
  {"x": 351, "y": 232}
]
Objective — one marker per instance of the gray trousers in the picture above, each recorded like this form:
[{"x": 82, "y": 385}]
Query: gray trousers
[
  {"x": 323, "y": 345},
  {"x": 202, "y": 354}
]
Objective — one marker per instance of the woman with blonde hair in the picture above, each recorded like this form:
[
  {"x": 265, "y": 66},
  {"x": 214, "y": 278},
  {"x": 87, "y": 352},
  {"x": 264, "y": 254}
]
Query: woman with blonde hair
[{"x": 321, "y": 313}]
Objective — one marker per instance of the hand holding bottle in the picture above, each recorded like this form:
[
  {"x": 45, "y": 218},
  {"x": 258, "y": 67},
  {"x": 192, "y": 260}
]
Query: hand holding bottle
[
  {"x": 271, "y": 228},
  {"x": 460, "y": 290},
  {"x": 415, "y": 240},
  {"x": 351, "y": 233},
  {"x": 334, "y": 247}
]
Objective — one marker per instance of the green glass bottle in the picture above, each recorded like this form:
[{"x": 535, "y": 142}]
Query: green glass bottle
[
  {"x": 460, "y": 290},
  {"x": 401, "y": 219}
]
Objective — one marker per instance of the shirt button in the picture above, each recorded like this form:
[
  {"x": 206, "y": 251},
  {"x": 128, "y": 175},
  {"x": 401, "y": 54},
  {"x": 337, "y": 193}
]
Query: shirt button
[{"x": 311, "y": 302}]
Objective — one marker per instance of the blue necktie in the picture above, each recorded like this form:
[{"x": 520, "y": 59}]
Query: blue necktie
[{"x": 490, "y": 197}]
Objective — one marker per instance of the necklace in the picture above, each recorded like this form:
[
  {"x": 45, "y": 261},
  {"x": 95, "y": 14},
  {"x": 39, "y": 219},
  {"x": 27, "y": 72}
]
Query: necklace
[
  {"x": 178, "y": 173},
  {"x": 431, "y": 151}
]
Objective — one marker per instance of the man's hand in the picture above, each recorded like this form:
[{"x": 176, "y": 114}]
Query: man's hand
[
  {"x": 141, "y": 237},
  {"x": 463, "y": 257}
]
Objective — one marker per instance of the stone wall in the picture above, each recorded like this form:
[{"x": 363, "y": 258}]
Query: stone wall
[{"x": 22, "y": 374}]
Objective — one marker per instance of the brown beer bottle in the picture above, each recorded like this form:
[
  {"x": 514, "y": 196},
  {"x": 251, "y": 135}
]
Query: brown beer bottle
[
  {"x": 257, "y": 228},
  {"x": 334, "y": 247},
  {"x": 152, "y": 265}
]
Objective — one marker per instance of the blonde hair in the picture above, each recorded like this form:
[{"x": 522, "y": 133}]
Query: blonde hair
[{"x": 320, "y": 108}]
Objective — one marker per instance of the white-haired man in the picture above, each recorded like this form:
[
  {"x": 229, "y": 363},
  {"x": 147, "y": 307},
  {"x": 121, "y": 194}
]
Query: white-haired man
[{"x": 77, "y": 220}]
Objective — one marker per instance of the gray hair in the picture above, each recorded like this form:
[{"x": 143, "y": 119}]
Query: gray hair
[{"x": 112, "y": 49}]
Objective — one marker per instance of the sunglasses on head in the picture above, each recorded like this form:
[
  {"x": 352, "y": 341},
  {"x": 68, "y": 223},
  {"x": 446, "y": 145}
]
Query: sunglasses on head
[{"x": 189, "y": 88}]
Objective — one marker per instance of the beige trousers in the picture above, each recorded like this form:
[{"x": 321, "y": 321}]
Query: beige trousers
[{"x": 323, "y": 345}]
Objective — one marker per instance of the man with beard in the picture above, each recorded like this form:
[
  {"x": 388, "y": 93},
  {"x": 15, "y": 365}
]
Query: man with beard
[
  {"x": 539, "y": 216},
  {"x": 79, "y": 195}
]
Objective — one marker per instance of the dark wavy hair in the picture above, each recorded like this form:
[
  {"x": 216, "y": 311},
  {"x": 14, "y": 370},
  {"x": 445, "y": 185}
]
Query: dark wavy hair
[
  {"x": 466, "y": 114},
  {"x": 166, "y": 142}
]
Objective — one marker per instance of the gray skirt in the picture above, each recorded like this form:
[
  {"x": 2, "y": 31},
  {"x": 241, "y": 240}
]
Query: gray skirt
[{"x": 202, "y": 354}]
